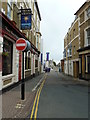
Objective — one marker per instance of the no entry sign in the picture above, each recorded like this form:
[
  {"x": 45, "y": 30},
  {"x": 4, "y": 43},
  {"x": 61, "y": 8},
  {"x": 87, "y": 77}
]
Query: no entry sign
[{"x": 21, "y": 44}]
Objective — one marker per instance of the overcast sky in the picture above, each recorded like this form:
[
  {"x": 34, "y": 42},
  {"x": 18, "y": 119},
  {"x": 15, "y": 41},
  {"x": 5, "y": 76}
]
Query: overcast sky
[{"x": 57, "y": 16}]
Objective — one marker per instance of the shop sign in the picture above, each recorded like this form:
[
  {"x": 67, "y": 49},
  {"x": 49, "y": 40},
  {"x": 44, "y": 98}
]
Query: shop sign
[
  {"x": 26, "y": 22},
  {"x": 11, "y": 32}
]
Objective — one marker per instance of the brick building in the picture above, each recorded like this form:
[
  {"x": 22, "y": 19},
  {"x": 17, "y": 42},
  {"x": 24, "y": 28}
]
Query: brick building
[
  {"x": 71, "y": 58},
  {"x": 77, "y": 44},
  {"x": 84, "y": 40}
]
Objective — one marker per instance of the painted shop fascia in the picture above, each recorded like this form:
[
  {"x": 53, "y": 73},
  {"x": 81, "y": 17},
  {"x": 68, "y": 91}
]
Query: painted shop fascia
[{"x": 10, "y": 58}]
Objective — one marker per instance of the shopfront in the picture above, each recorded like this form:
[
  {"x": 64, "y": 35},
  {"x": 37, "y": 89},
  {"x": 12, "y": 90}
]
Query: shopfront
[
  {"x": 84, "y": 63},
  {"x": 9, "y": 56}
]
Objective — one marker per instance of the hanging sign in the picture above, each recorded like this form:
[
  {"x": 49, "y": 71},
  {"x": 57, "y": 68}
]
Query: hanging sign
[{"x": 26, "y": 22}]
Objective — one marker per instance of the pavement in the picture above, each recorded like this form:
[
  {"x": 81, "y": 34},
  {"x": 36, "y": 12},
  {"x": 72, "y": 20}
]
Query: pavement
[{"x": 14, "y": 107}]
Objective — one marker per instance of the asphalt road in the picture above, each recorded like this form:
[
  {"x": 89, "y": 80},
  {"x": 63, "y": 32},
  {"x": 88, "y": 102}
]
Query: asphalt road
[{"x": 62, "y": 98}]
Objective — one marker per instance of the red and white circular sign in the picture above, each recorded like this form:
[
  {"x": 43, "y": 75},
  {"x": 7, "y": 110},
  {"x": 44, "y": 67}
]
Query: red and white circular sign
[{"x": 21, "y": 44}]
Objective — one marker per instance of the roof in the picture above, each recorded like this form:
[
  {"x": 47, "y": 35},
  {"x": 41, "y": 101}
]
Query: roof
[
  {"x": 80, "y": 8},
  {"x": 38, "y": 10}
]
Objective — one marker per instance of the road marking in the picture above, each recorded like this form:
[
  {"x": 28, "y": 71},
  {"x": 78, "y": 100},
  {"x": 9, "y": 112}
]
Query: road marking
[
  {"x": 38, "y": 83},
  {"x": 34, "y": 104},
  {"x": 36, "y": 101},
  {"x": 35, "y": 115}
]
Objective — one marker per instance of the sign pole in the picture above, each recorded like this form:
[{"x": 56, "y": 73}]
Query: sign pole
[{"x": 22, "y": 84}]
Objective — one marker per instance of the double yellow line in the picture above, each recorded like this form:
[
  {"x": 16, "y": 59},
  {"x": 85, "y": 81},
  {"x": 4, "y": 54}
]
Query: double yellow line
[{"x": 36, "y": 102}]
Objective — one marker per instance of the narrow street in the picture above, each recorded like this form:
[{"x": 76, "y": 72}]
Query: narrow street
[
  {"x": 60, "y": 97},
  {"x": 63, "y": 99},
  {"x": 44, "y": 59}
]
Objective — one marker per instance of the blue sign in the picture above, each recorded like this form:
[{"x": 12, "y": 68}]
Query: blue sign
[
  {"x": 47, "y": 57},
  {"x": 26, "y": 22},
  {"x": 41, "y": 58}
]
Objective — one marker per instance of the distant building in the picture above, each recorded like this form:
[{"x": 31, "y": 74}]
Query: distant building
[{"x": 51, "y": 64}]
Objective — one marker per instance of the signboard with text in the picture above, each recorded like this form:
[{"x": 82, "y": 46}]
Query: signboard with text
[{"x": 26, "y": 22}]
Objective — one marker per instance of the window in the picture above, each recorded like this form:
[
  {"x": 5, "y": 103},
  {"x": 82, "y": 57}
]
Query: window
[
  {"x": 74, "y": 50},
  {"x": 74, "y": 33},
  {"x": 87, "y": 63},
  {"x": 70, "y": 37},
  {"x": 37, "y": 42},
  {"x": 70, "y": 51},
  {"x": 36, "y": 63},
  {"x": 88, "y": 12},
  {"x": 27, "y": 61},
  {"x": 64, "y": 53},
  {"x": 8, "y": 11},
  {"x": 7, "y": 57},
  {"x": 80, "y": 65},
  {"x": 87, "y": 38}
]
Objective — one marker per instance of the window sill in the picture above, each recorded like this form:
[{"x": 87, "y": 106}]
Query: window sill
[
  {"x": 8, "y": 76},
  {"x": 27, "y": 70},
  {"x": 87, "y": 45},
  {"x": 36, "y": 68}
]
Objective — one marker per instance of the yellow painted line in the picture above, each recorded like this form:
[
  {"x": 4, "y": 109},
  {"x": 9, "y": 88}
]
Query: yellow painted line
[
  {"x": 34, "y": 104},
  {"x": 35, "y": 115},
  {"x": 36, "y": 101}
]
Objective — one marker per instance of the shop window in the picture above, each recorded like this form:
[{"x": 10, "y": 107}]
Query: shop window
[
  {"x": 26, "y": 65},
  {"x": 27, "y": 61},
  {"x": 88, "y": 63},
  {"x": 80, "y": 65},
  {"x": 36, "y": 63},
  {"x": 7, "y": 57}
]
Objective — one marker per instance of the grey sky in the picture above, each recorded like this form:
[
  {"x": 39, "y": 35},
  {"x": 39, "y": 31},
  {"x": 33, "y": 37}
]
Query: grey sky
[{"x": 57, "y": 16}]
